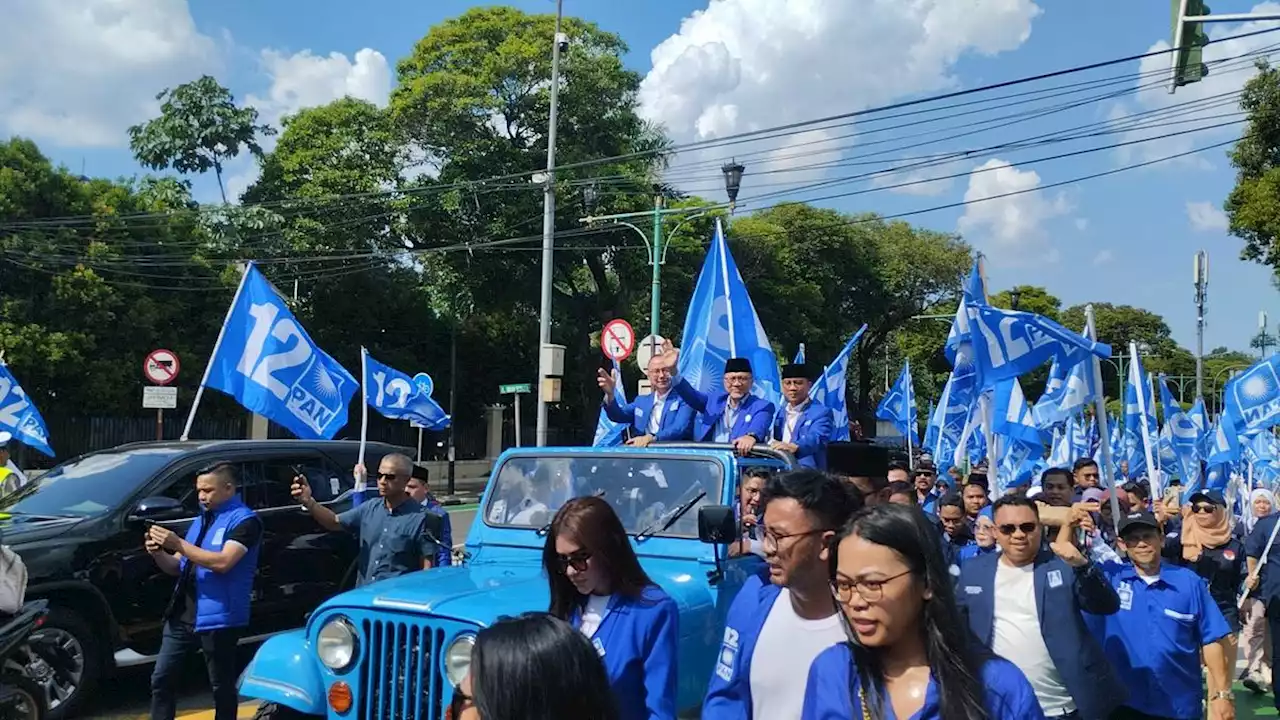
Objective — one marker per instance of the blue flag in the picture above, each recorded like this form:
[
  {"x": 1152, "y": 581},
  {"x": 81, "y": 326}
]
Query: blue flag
[
  {"x": 830, "y": 389},
  {"x": 1008, "y": 343},
  {"x": 1184, "y": 437},
  {"x": 972, "y": 293},
  {"x": 799, "y": 355},
  {"x": 401, "y": 397},
  {"x": 608, "y": 432},
  {"x": 1252, "y": 398},
  {"x": 1013, "y": 416},
  {"x": 899, "y": 405},
  {"x": 19, "y": 416},
  {"x": 268, "y": 363},
  {"x": 1139, "y": 417},
  {"x": 722, "y": 323}
]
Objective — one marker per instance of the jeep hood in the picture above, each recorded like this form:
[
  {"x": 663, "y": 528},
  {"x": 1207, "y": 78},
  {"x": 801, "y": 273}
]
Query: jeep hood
[{"x": 479, "y": 592}]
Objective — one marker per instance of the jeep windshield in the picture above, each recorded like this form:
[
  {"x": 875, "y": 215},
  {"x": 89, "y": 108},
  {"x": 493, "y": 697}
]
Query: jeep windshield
[
  {"x": 642, "y": 490},
  {"x": 88, "y": 485}
]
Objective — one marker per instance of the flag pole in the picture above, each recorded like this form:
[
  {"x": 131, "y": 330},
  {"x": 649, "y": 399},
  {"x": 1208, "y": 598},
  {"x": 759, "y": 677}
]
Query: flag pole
[
  {"x": 1138, "y": 383},
  {"x": 364, "y": 408},
  {"x": 911, "y": 427},
  {"x": 1100, "y": 417},
  {"x": 217, "y": 344}
]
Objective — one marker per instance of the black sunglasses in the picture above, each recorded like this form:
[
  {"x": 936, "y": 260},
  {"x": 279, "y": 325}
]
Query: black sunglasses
[
  {"x": 1203, "y": 509},
  {"x": 1027, "y": 528},
  {"x": 387, "y": 476},
  {"x": 578, "y": 561}
]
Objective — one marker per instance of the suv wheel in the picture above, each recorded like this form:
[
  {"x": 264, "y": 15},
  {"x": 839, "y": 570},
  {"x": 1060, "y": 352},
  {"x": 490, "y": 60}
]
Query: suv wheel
[
  {"x": 276, "y": 711},
  {"x": 66, "y": 660}
]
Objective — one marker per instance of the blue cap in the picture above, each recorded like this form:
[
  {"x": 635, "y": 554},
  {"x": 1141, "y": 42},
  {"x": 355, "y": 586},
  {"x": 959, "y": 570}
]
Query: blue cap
[{"x": 1213, "y": 496}]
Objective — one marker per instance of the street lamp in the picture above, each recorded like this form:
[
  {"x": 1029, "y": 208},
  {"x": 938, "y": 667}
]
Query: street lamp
[
  {"x": 654, "y": 241},
  {"x": 1014, "y": 296}
]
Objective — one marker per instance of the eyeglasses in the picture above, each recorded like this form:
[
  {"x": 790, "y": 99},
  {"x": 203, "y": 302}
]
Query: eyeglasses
[
  {"x": 771, "y": 539},
  {"x": 461, "y": 701},
  {"x": 578, "y": 561},
  {"x": 869, "y": 590},
  {"x": 1027, "y": 528},
  {"x": 1203, "y": 509},
  {"x": 737, "y": 379},
  {"x": 387, "y": 476}
]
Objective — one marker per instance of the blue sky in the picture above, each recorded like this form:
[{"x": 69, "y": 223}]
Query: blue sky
[{"x": 82, "y": 70}]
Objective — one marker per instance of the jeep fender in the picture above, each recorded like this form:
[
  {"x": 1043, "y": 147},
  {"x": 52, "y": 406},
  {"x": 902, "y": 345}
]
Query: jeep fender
[{"x": 284, "y": 671}]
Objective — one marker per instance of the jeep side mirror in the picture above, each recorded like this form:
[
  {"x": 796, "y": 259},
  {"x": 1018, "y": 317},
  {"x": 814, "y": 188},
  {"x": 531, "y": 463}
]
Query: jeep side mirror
[
  {"x": 717, "y": 524},
  {"x": 158, "y": 508}
]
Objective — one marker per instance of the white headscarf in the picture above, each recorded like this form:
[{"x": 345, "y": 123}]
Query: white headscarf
[{"x": 1249, "y": 519}]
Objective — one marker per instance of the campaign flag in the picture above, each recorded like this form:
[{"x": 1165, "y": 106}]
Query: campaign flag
[
  {"x": 830, "y": 389},
  {"x": 951, "y": 416},
  {"x": 1139, "y": 418},
  {"x": 1013, "y": 417},
  {"x": 1067, "y": 396},
  {"x": 1184, "y": 436},
  {"x": 799, "y": 355},
  {"x": 1009, "y": 343},
  {"x": 722, "y": 323},
  {"x": 19, "y": 416},
  {"x": 1252, "y": 398},
  {"x": 898, "y": 406},
  {"x": 400, "y": 396},
  {"x": 972, "y": 293},
  {"x": 267, "y": 362},
  {"x": 608, "y": 432},
  {"x": 930, "y": 430}
]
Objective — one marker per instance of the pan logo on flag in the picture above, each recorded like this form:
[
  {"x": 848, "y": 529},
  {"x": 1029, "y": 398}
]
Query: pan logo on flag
[
  {"x": 275, "y": 347},
  {"x": 1257, "y": 394},
  {"x": 316, "y": 397}
]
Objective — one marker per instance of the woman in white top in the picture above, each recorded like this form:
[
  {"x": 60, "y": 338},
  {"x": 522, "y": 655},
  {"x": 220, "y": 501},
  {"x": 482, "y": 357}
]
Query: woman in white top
[{"x": 597, "y": 585}]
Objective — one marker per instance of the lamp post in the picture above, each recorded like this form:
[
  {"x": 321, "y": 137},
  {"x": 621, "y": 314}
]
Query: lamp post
[
  {"x": 654, "y": 240},
  {"x": 1014, "y": 296}
]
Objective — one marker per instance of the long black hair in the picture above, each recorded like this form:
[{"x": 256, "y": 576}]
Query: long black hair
[
  {"x": 595, "y": 526},
  {"x": 955, "y": 657},
  {"x": 537, "y": 667}
]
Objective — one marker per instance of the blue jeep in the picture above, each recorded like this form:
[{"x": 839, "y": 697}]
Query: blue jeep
[{"x": 395, "y": 649}]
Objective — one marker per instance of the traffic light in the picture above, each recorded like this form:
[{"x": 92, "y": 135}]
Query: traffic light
[{"x": 1189, "y": 44}]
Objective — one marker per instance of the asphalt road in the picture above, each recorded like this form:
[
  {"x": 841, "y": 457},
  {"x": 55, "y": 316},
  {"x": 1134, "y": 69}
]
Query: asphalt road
[{"x": 128, "y": 696}]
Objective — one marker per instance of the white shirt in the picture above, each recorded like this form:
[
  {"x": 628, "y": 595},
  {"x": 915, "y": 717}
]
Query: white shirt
[
  {"x": 1016, "y": 636},
  {"x": 593, "y": 614},
  {"x": 655, "y": 415},
  {"x": 784, "y": 651},
  {"x": 793, "y": 417}
]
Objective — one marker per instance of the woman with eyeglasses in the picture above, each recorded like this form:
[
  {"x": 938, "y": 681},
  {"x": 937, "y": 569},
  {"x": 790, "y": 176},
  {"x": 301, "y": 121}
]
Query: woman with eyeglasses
[
  {"x": 598, "y": 586},
  {"x": 909, "y": 654},
  {"x": 1207, "y": 543},
  {"x": 533, "y": 667}
]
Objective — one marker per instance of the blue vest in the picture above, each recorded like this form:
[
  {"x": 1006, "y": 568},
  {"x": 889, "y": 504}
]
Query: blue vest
[{"x": 222, "y": 599}]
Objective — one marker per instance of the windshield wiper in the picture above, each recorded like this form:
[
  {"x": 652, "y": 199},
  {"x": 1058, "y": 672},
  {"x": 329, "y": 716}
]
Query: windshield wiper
[{"x": 666, "y": 521}]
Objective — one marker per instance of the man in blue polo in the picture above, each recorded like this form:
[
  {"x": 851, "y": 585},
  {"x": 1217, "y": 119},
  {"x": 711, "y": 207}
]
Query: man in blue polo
[
  {"x": 803, "y": 427},
  {"x": 397, "y": 535},
  {"x": 209, "y": 608},
  {"x": 1167, "y": 620}
]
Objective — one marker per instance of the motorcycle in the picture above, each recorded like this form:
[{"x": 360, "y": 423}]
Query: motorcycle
[{"x": 21, "y": 696}]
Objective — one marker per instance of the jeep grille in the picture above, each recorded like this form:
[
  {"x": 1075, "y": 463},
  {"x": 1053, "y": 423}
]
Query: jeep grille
[{"x": 401, "y": 677}]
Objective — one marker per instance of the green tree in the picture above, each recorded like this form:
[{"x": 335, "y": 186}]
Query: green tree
[
  {"x": 1032, "y": 299},
  {"x": 199, "y": 128},
  {"x": 1253, "y": 207}
]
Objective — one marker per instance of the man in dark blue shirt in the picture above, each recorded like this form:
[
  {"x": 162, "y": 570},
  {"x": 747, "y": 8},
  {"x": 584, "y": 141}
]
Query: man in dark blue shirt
[{"x": 397, "y": 535}]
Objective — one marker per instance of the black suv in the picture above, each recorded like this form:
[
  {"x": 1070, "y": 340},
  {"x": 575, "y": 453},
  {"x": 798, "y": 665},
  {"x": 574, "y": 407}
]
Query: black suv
[{"x": 79, "y": 530}]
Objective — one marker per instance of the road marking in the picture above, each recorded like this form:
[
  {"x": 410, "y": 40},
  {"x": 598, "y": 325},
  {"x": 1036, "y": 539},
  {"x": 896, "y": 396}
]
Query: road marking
[{"x": 244, "y": 712}]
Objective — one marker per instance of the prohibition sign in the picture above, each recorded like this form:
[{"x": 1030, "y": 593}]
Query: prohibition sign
[
  {"x": 618, "y": 340},
  {"x": 161, "y": 367}
]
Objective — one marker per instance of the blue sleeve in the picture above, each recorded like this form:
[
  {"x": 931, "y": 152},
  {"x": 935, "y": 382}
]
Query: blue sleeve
[
  {"x": 818, "y": 437},
  {"x": 1213, "y": 626},
  {"x": 1255, "y": 546},
  {"x": 681, "y": 428},
  {"x": 660, "y": 679},
  {"x": 625, "y": 414},
  {"x": 759, "y": 426},
  {"x": 729, "y": 692},
  {"x": 350, "y": 520},
  {"x": 827, "y": 695},
  {"x": 1008, "y": 693},
  {"x": 444, "y": 556},
  {"x": 691, "y": 395}
]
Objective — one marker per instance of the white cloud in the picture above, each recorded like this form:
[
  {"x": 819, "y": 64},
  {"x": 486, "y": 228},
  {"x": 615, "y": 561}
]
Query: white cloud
[
  {"x": 1206, "y": 217},
  {"x": 1230, "y": 66},
  {"x": 77, "y": 73},
  {"x": 1082, "y": 224},
  {"x": 305, "y": 80},
  {"x": 742, "y": 65},
  {"x": 1103, "y": 257},
  {"x": 1010, "y": 229}
]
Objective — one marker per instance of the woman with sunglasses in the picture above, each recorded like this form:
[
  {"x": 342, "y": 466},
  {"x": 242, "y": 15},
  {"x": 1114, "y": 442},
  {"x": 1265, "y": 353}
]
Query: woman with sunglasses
[
  {"x": 533, "y": 667},
  {"x": 598, "y": 586},
  {"x": 909, "y": 654},
  {"x": 1208, "y": 544}
]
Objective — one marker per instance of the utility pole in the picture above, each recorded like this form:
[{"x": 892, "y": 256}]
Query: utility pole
[
  {"x": 549, "y": 231},
  {"x": 1262, "y": 334},
  {"x": 1200, "y": 276}
]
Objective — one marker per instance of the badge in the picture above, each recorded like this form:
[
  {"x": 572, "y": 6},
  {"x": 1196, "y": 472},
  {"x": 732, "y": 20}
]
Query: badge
[
  {"x": 1055, "y": 578},
  {"x": 1230, "y": 555},
  {"x": 1126, "y": 596},
  {"x": 973, "y": 589},
  {"x": 638, "y": 412},
  {"x": 747, "y": 419},
  {"x": 599, "y": 646},
  {"x": 728, "y": 654}
]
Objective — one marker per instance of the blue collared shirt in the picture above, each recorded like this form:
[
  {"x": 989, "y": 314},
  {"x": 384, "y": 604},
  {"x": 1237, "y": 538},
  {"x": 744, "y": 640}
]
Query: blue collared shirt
[
  {"x": 392, "y": 542},
  {"x": 1154, "y": 640}
]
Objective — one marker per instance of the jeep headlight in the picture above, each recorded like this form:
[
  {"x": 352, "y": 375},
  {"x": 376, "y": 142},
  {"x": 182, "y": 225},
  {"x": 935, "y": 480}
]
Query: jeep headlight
[
  {"x": 457, "y": 659},
  {"x": 337, "y": 643}
]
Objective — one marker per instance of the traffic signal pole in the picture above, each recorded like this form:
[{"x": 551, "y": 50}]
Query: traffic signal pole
[{"x": 1189, "y": 39}]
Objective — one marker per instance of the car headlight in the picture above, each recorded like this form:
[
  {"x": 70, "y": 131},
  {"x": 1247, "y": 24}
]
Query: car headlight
[
  {"x": 336, "y": 644},
  {"x": 457, "y": 659}
]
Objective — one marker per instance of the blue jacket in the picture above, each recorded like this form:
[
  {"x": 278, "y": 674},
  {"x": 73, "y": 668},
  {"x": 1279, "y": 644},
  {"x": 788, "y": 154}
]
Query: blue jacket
[
  {"x": 677, "y": 416},
  {"x": 638, "y": 644},
  {"x": 729, "y": 694},
  {"x": 444, "y": 556},
  {"x": 830, "y": 692},
  {"x": 812, "y": 433},
  {"x": 754, "y": 415},
  {"x": 222, "y": 599},
  {"x": 1062, "y": 592}
]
